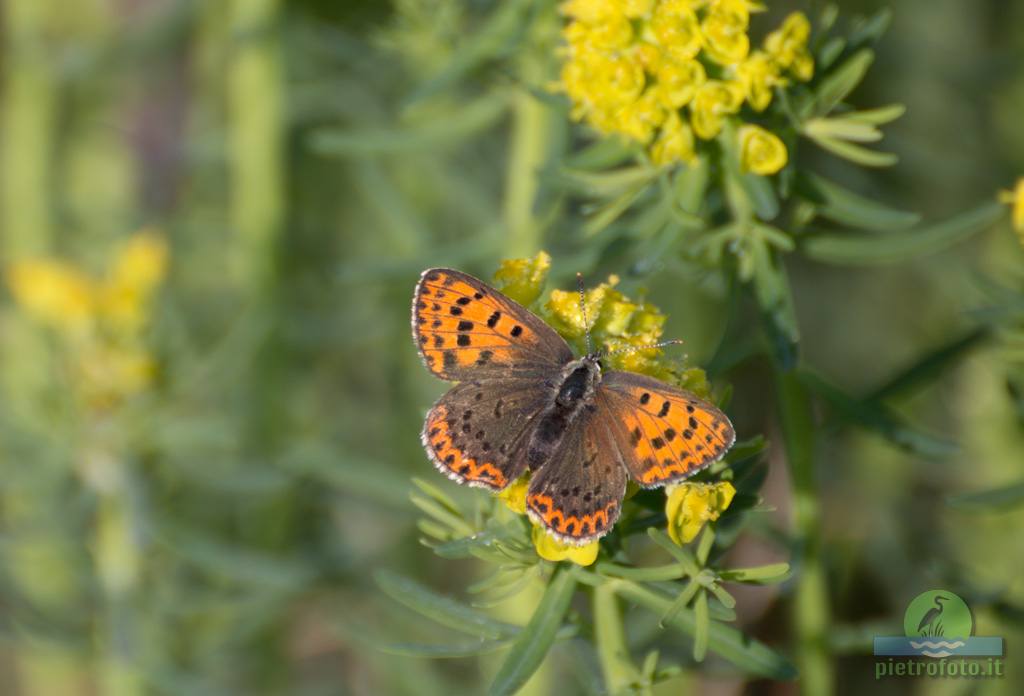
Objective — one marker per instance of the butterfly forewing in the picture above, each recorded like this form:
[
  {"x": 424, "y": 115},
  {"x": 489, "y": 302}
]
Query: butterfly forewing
[
  {"x": 668, "y": 433},
  {"x": 475, "y": 433},
  {"x": 465, "y": 329},
  {"x": 577, "y": 494}
]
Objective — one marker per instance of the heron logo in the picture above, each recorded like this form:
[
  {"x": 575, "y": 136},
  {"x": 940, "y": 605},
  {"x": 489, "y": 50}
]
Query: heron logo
[{"x": 938, "y": 624}]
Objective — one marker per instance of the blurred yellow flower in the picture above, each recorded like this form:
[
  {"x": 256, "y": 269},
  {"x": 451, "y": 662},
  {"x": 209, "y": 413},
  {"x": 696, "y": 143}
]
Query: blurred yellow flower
[
  {"x": 523, "y": 279},
  {"x": 138, "y": 268},
  {"x": 725, "y": 32},
  {"x": 1015, "y": 198},
  {"x": 787, "y": 46},
  {"x": 674, "y": 143},
  {"x": 678, "y": 81},
  {"x": 713, "y": 102},
  {"x": 761, "y": 152},
  {"x": 514, "y": 496},
  {"x": 689, "y": 505},
  {"x": 54, "y": 292},
  {"x": 758, "y": 74},
  {"x": 550, "y": 549}
]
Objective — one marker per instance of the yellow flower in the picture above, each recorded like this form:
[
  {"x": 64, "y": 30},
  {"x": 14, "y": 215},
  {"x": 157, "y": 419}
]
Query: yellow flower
[
  {"x": 1016, "y": 199},
  {"x": 514, "y": 496},
  {"x": 689, "y": 505},
  {"x": 725, "y": 32},
  {"x": 758, "y": 74},
  {"x": 674, "y": 143},
  {"x": 139, "y": 267},
  {"x": 678, "y": 81},
  {"x": 787, "y": 46},
  {"x": 54, "y": 292},
  {"x": 761, "y": 152},
  {"x": 550, "y": 549},
  {"x": 712, "y": 103},
  {"x": 640, "y": 118},
  {"x": 590, "y": 11},
  {"x": 523, "y": 279},
  {"x": 675, "y": 25}
]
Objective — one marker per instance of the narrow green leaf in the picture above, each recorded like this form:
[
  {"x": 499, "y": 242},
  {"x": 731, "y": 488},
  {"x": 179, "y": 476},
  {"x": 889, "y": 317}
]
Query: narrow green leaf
[
  {"x": 650, "y": 574},
  {"x": 841, "y": 128},
  {"x": 533, "y": 643},
  {"x": 871, "y": 29},
  {"x": 870, "y": 250},
  {"x": 828, "y": 53},
  {"x": 848, "y": 208},
  {"x": 443, "y": 610},
  {"x": 494, "y": 38},
  {"x": 771, "y": 573},
  {"x": 856, "y": 153},
  {"x": 929, "y": 365},
  {"x": 681, "y": 601},
  {"x": 878, "y": 418},
  {"x": 438, "y": 131},
  {"x": 702, "y": 627},
  {"x": 609, "y": 213},
  {"x": 617, "y": 668},
  {"x": 879, "y": 116},
  {"x": 762, "y": 195},
  {"x": 443, "y": 650},
  {"x": 992, "y": 500},
  {"x": 748, "y": 654},
  {"x": 602, "y": 184},
  {"x": 602, "y": 154},
  {"x": 841, "y": 81}
]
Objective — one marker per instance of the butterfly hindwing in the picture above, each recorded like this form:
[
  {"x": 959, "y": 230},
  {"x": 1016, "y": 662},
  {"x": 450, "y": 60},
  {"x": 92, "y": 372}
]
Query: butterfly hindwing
[
  {"x": 474, "y": 434},
  {"x": 577, "y": 494},
  {"x": 465, "y": 329},
  {"x": 668, "y": 433}
]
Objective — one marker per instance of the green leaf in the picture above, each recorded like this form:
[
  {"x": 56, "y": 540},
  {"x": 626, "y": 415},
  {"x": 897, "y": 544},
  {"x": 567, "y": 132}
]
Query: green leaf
[
  {"x": 647, "y": 574},
  {"x": 691, "y": 185},
  {"x": 436, "y": 132},
  {"x": 841, "y": 81},
  {"x": 535, "y": 640},
  {"x": 604, "y": 153},
  {"x": 702, "y": 627},
  {"x": 993, "y": 500},
  {"x": 930, "y": 365},
  {"x": 878, "y": 418},
  {"x": 841, "y": 128},
  {"x": 496, "y": 37},
  {"x": 766, "y": 574},
  {"x": 871, "y": 29},
  {"x": 879, "y": 116},
  {"x": 612, "y": 652},
  {"x": 443, "y": 650},
  {"x": 443, "y": 610},
  {"x": 750, "y": 655},
  {"x": 610, "y": 212},
  {"x": 856, "y": 153},
  {"x": 848, "y": 208},
  {"x": 828, "y": 53},
  {"x": 603, "y": 184},
  {"x": 870, "y": 250},
  {"x": 762, "y": 195}
]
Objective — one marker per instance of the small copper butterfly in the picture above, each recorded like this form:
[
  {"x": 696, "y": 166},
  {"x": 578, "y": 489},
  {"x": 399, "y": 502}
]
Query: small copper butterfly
[{"x": 524, "y": 402}]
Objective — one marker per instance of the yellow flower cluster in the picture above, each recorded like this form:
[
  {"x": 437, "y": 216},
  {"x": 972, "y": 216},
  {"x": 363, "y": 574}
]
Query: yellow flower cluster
[
  {"x": 690, "y": 505},
  {"x": 663, "y": 71},
  {"x": 100, "y": 319}
]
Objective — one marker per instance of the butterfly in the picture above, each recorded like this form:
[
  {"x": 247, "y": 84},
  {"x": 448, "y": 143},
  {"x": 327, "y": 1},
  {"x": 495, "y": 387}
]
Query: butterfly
[{"x": 523, "y": 402}]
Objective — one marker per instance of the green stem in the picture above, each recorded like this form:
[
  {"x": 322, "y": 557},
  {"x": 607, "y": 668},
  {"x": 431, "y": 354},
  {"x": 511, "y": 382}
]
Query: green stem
[
  {"x": 28, "y": 101},
  {"x": 810, "y": 609},
  {"x": 255, "y": 138},
  {"x": 535, "y": 129},
  {"x": 612, "y": 651}
]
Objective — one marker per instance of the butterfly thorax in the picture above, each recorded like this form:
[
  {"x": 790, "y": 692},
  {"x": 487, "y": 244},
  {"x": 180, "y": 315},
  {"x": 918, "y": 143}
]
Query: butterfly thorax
[{"x": 571, "y": 394}]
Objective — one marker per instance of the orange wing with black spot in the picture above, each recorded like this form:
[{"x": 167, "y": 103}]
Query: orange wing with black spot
[
  {"x": 475, "y": 433},
  {"x": 577, "y": 494},
  {"x": 668, "y": 433},
  {"x": 465, "y": 329}
]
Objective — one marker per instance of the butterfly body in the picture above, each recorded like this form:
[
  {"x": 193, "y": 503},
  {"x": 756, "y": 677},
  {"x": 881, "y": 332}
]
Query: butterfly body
[{"x": 524, "y": 402}]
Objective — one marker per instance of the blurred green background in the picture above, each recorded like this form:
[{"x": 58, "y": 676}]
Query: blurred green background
[{"x": 216, "y": 532}]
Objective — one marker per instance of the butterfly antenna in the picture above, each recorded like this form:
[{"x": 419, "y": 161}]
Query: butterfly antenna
[
  {"x": 633, "y": 349},
  {"x": 583, "y": 309}
]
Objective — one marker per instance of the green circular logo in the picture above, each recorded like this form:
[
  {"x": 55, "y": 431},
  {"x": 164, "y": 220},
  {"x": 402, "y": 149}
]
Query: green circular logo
[{"x": 938, "y": 613}]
